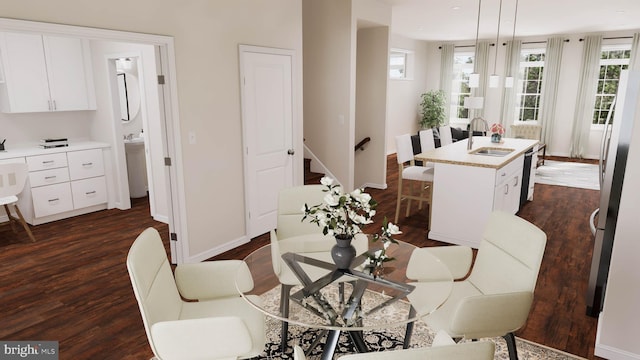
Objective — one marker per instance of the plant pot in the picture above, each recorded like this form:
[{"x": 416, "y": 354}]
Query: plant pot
[{"x": 343, "y": 252}]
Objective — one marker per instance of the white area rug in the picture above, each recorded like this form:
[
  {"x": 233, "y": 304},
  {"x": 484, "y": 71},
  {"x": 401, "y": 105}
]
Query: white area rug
[
  {"x": 385, "y": 340},
  {"x": 571, "y": 174}
]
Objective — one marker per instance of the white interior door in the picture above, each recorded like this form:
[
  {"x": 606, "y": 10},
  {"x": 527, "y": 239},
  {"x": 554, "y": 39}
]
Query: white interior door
[{"x": 267, "y": 116}]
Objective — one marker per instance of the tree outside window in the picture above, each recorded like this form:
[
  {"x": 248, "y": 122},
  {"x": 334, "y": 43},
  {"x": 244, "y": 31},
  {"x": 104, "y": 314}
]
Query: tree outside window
[{"x": 613, "y": 60}]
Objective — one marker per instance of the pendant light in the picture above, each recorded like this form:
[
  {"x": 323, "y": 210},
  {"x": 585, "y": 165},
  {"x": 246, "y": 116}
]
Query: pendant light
[
  {"x": 494, "y": 79},
  {"x": 509, "y": 80},
  {"x": 474, "y": 77}
]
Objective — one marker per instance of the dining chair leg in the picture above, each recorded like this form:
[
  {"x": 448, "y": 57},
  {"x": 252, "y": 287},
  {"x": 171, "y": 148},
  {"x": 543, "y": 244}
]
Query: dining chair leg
[
  {"x": 409, "y": 330},
  {"x": 511, "y": 346},
  {"x": 24, "y": 224},
  {"x": 284, "y": 310},
  {"x": 399, "y": 199}
]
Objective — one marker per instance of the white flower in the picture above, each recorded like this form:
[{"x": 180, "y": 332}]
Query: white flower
[
  {"x": 393, "y": 229},
  {"x": 326, "y": 181},
  {"x": 330, "y": 200}
]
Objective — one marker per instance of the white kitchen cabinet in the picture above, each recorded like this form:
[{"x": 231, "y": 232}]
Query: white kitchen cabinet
[
  {"x": 508, "y": 185},
  {"x": 45, "y": 73},
  {"x": 65, "y": 184}
]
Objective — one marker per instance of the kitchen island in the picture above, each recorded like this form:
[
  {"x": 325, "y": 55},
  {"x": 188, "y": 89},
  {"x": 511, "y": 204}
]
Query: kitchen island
[{"x": 469, "y": 184}]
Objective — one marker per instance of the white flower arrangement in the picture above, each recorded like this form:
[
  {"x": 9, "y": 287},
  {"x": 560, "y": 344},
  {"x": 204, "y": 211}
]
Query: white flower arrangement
[{"x": 342, "y": 215}]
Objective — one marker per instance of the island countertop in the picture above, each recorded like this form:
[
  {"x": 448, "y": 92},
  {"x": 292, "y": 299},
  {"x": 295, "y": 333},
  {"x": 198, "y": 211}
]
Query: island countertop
[{"x": 457, "y": 152}]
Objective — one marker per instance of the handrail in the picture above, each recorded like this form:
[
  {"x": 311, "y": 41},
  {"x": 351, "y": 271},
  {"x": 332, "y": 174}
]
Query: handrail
[{"x": 362, "y": 143}]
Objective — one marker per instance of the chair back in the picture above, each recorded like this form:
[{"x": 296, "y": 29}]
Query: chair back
[
  {"x": 426, "y": 140},
  {"x": 152, "y": 280},
  {"x": 291, "y": 210},
  {"x": 509, "y": 255},
  {"x": 445, "y": 135},
  {"x": 526, "y": 131},
  {"x": 12, "y": 179},
  {"x": 403, "y": 148}
]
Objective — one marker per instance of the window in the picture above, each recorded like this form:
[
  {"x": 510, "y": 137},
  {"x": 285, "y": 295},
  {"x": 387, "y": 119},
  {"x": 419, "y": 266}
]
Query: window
[
  {"x": 530, "y": 84},
  {"x": 398, "y": 64},
  {"x": 613, "y": 60},
  {"x": 462, "y": 67}
]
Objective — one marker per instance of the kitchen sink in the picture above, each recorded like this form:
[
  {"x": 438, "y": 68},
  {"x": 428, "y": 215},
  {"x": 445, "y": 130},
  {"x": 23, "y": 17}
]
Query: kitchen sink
[{"x": 488, "y": 151}]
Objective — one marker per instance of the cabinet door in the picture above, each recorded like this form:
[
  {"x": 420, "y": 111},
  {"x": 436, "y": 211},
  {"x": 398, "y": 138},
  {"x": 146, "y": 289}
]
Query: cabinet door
[
  {"x": 27, "y": 88},
  {"x": 66, "y": 73},
  {"x": 85, "y": 164},
  {"x": 89, "y": 192}
]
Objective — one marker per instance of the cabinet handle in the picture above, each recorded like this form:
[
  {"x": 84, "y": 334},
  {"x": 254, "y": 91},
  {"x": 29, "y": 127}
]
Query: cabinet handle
[
  {"x": 49, "y": 105},
  {"x": 50, "y": 177},
  {"x": 515, "y": 182},
  {"x": 87, "y": 164},
  {"x": 54, "y": 200},
  {"x": 46, "y": 162},
  {"x": 90, "y": 192},
  {"x": 506, "y": 189},
  {"x": 55, "y": 107}
]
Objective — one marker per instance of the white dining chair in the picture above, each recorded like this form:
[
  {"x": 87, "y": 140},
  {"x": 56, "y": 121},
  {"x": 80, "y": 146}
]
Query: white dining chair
[{"x": 12, "y": 179}]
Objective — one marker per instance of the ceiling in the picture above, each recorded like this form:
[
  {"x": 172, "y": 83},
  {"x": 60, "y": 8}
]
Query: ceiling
[{"x": 453, "y": 20}]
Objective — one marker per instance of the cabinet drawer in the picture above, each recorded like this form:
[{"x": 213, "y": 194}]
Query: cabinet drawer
[
  {"x": 48, "y": 177},
  {"x": 89, "y": 192},
  {"x": 507, "y": 171},
  {"x": 49, "y": 161},
  {"x": 19, "y": 160},
  {"x": 52, "y": 199},
  {"x": 85, "y": 164}
]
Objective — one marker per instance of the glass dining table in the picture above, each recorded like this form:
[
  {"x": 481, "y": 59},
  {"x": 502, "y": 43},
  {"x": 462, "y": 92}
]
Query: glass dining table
[{"x": 352, "y": 300}]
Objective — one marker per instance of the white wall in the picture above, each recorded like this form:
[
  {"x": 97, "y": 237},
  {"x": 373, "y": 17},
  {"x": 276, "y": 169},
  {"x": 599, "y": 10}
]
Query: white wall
[
  {"x": 206, "y": 35},
  {"x": 404, "y": 95}
]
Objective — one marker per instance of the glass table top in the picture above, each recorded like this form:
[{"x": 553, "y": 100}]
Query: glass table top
[{"x": 367, "y": 302}]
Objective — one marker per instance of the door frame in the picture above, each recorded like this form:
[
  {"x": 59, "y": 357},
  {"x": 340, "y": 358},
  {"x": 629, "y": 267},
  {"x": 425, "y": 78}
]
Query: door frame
[
  {"x": 168, "y": 98},
  {"x": 296, "y": 126}
]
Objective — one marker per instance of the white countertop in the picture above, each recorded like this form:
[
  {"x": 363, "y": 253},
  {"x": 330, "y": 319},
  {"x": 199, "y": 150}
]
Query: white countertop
[
  {"x": 36, "y": 150},
  {"x": 457, "y": 153}
]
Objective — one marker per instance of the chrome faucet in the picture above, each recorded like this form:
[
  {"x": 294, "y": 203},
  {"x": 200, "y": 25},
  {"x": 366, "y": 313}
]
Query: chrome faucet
[{"x": 472, "y": 127}]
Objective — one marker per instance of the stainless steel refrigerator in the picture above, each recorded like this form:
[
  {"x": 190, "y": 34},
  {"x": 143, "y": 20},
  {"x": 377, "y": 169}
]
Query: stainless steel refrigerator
[{"x": 613, "y": 160}]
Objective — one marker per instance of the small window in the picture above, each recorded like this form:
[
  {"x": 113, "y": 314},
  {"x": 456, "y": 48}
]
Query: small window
[
  {"x": 399, "y": 64},
  {"x": 462, "y": 67},
  {"x": 530, "y": 85},
  {"x": 613, "y": 60}
]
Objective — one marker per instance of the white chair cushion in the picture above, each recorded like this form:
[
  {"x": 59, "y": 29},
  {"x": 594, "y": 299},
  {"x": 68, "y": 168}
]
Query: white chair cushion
[
  {"x": 8, "y": 200},
  {"x": 418, "y": 173}
]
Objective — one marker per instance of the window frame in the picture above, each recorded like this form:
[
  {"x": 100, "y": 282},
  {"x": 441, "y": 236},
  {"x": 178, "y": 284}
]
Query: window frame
[
  {"x": 622, "y": 62},
  {"x": 407, "y": 66},
  {"x": 523, "y": 66},
  {"x": 460, "y": 76}
]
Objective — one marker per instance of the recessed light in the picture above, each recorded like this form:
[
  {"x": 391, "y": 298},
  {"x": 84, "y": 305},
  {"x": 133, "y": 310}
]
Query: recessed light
[
  {"x": 456, "y": 8},
  {"x": 620, "y": 11}
]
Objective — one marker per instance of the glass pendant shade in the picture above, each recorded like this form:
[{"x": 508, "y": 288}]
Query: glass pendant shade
[
  {"x": 474, "y": 80},
  {"x": 494, "y": 81},
  {"x": 508, "y": 82}
]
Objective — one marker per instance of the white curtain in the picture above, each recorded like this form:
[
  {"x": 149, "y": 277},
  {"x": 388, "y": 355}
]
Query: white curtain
[
  {"x": 512, "y": 67},
  {"x": 586, "y": 97},
  {"x": 634, "y": 62},
  {"x": 481, "y": 66},
  {"x": 446, "y": 76},
  {"x": 549, "y": 96}
]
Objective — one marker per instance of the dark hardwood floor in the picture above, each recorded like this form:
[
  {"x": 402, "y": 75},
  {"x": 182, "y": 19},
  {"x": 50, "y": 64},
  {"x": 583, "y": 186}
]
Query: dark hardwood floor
[{"x": 72, "y": 284}]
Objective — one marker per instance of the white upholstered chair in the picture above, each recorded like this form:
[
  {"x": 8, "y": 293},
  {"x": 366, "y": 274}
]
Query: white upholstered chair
[
  {"x": 219, "y": 325},
  {"x": 418, "y": 180},
  {"x": 495, "y": 299},
  {"x": 12, "y": 179},
  {"x": 301, "y": 237},
  {"x": 445, "y": 135},
  {"x": 443, "y": 348},
  {"x": 530, "y": 130}
]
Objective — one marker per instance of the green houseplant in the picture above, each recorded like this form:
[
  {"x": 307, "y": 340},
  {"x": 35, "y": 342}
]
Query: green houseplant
[{"x": 432, "y": 109}]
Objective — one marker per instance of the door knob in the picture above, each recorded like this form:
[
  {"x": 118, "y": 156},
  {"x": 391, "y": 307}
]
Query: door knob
[{"x": 290, "y": 152}]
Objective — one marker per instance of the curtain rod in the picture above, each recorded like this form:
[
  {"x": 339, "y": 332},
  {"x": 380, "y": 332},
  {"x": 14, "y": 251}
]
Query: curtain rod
[
  {"x": 615, "y": 38},
  {"x": 466, "y": 46},
  {"x": 535, "y": 42}
]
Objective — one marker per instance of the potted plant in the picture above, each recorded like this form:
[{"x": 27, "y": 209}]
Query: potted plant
[{"x": 432, "y": 109}]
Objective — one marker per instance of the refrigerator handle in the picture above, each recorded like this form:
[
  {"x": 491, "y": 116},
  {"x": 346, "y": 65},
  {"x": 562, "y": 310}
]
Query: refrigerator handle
[
  {"x": 592, "y": 218},
  {"x": 604, "y": 143}
]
